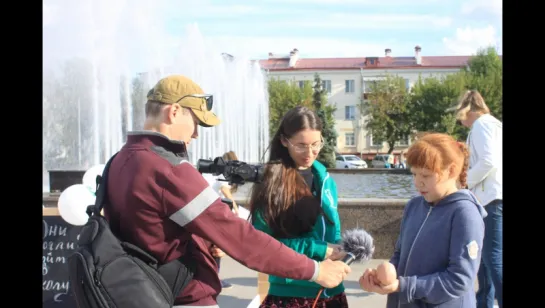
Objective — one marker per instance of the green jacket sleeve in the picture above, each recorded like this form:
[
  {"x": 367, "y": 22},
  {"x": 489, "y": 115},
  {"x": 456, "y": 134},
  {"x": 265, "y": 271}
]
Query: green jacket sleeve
[{"x": 312, "y": 248}]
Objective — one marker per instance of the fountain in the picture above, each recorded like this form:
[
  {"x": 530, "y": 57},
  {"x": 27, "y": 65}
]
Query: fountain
[{"x": 101, "y": 58}]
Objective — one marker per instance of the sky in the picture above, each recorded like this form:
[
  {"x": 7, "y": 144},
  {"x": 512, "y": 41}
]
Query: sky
[{"x": 317, "y": 28}]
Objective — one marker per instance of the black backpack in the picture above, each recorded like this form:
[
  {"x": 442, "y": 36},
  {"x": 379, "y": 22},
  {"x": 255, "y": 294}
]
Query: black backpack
[{"x": 106, "y": 272}]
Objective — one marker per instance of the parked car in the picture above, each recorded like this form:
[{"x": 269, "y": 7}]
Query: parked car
[
  {"x": 383, "y": 161},
  {"x": 350, "y": 162}
]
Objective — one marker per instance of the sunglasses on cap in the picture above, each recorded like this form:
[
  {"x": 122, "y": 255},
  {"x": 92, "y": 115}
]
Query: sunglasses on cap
[{"x": 209, "y": 98}]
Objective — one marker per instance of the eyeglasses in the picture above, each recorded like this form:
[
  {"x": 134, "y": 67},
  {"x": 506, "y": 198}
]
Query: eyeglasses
[
  {"x": 300, "y": 148},
  {"x": 209, "y": 98}
]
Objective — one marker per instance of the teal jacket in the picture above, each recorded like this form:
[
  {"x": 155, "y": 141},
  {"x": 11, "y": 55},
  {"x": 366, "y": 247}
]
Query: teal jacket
[{"x": 312, "y": 244}]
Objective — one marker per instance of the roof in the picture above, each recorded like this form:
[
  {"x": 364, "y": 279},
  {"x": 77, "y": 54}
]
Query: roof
[{"x": 282, "y": 64}]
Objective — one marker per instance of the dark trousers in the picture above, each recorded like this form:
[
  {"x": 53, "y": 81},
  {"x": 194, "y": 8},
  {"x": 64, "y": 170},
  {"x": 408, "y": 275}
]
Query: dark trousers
[
  {"x": 272, "y": 301},
  {"x": 490, "y": 275}
]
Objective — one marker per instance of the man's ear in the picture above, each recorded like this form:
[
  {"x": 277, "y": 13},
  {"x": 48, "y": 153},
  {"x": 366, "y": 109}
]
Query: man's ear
[{"x": 172, "y": 113}]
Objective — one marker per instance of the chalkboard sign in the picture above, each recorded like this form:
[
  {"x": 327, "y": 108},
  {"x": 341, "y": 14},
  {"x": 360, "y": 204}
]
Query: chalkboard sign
[{"x": 59, "y": 241}]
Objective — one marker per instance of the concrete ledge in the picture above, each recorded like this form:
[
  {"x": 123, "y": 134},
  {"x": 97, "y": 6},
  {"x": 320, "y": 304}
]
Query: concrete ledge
[
  {"x": 380, "y": 217},
  {"x": 370, "y": 171}
]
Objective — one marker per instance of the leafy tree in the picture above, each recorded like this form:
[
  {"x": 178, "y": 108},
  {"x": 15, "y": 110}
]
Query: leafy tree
[
  {"x": 283, "y": 96},
  {"x": 387, "y": 111},
  {"x": 431, "y": 99},
  {"x": 484, "y": 73},
  {"x": 325, "y": 112}
]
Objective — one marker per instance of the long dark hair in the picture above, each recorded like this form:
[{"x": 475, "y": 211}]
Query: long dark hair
[{"x": 283, "y": 198}]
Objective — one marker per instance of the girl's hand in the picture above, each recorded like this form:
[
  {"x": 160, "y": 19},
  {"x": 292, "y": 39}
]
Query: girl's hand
[{"x": 369, "y": 282}]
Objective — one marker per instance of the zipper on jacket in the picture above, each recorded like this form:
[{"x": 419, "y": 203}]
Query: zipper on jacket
[
  {"x": 322, "y": 204},
  {"x": 411, "y": 249}
]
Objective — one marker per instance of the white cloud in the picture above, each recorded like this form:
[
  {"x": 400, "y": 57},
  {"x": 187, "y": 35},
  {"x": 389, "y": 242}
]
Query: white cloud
[
  {"x": 318, "y": 47},
  {"x": 468, "y": 40},
  {"x": 367, "y": 3},
  {"x": 494, "y": 7},
  {"x": 371, "y": 21}
]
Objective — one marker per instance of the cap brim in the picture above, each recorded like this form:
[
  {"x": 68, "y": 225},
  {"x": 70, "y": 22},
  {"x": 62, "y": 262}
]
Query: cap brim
[{"x": 206, "y": 118}]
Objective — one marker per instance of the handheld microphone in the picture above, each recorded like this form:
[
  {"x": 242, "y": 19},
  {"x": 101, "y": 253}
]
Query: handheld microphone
[{"x": 358, "y": 245}]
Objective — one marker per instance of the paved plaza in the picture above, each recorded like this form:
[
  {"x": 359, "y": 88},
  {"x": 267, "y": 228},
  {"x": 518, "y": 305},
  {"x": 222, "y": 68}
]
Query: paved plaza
[
  {"x": 244, "y": 288},
  {"x": 244, "y": 281}
]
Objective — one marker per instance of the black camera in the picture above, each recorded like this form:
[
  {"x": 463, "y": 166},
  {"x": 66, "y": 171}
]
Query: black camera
[{"x": 234, "y": 171}]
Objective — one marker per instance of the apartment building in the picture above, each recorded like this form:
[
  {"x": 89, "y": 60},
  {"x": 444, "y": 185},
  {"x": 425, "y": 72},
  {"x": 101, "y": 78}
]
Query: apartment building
[{"x": 347, "y": 81}]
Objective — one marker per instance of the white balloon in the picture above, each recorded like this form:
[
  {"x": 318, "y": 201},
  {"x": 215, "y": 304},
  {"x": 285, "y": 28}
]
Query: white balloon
[
  {"x": 73, "y": 203},
  {"x": 90, "y": 176}
]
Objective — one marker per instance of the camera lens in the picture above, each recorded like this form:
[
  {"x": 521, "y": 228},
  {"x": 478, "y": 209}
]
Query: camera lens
[{"x": 205, "y": 166}]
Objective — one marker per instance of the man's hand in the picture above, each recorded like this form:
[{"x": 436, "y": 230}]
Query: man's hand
[
  {"x": 369, "y": 282},
  {"x": 332, "y": 273},
  {"x": 216, "y": 252}
]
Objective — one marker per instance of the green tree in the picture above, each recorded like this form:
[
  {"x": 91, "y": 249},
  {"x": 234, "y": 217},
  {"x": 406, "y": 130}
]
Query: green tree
[
  {"x": 325, "y": 112},
  {"x": 283, "y": 96},
  {"x": 484, "y": 73},
  {"x": 431, "y": 99},
  {"x": 388, "y": 111}
]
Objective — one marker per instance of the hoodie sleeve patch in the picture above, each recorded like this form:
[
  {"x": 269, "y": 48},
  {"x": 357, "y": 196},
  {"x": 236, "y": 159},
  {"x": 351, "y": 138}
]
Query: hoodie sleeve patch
[{"x": 473, "y": 250}]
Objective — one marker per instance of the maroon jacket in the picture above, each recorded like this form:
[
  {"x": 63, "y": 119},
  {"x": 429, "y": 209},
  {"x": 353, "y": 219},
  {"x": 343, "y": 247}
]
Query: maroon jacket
[{"x": 159, "y": 202}]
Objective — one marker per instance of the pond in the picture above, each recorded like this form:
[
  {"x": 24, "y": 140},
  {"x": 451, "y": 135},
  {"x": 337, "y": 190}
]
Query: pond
[{"x": 383, "y": 186}]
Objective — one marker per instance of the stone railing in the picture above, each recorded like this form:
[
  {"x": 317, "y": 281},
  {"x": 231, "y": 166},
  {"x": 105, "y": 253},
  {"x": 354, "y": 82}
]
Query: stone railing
[
  {"x": 380, "y": 217},
  {"x": 370, "y": 171}
]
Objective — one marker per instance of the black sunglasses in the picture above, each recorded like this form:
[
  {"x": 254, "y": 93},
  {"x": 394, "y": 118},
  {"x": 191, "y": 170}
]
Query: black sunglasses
[{"x": 209, "y": 98}]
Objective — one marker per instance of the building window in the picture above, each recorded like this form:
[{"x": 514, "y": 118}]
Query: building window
[
  {"x": 326, "y": 85},
  {"x": 349, "y": 139},
  {"x": 349, "y": 86},
  {"x": 349, "y": 112},
  {"x": 375, "y": 142},
  {"x": 301, "y": 84},
  {"x": 403, "y": 142}
]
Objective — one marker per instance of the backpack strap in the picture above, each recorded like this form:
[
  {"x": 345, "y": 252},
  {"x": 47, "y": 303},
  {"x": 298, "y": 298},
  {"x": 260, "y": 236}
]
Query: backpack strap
[
  {"x": 177, "y": 273},
  {"x": 101, "y": 190}
]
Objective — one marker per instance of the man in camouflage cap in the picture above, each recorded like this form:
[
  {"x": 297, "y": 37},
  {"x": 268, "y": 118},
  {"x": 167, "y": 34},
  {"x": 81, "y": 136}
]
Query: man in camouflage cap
[{"x": 162, "y": 204}]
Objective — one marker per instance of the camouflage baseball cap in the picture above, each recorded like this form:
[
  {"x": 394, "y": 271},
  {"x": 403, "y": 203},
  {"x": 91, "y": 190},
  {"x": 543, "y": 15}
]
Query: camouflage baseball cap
[{"x": 178, "y": 89}]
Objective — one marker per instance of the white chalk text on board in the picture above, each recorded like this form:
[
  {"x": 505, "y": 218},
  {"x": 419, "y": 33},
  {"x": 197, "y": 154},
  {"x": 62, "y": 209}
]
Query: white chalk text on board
[{"x": 57, "y": 245}]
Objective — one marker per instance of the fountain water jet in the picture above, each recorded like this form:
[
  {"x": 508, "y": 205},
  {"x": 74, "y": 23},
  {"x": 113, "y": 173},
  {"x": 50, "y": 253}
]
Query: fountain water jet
[{"x": 99, "y": 63}]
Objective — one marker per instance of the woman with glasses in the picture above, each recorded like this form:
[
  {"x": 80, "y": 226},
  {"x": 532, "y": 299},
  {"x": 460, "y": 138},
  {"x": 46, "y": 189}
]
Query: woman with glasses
[{"x": 297, "y": 204}]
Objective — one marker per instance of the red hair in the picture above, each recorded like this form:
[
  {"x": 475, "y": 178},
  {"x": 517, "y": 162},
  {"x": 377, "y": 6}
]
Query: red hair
[{"x": 435, "y": 152}]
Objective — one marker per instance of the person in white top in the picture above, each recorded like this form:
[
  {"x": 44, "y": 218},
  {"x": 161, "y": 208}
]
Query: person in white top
[{"x": 484, "y": 179}]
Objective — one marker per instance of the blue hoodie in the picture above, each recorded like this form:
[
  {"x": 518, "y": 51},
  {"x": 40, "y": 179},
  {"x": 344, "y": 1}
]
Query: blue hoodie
[{"x": 438, "y": 252}]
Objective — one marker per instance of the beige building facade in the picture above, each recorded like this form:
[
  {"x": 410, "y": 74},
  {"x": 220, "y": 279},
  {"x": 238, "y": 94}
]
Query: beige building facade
[{"x": 347, "y": 82}]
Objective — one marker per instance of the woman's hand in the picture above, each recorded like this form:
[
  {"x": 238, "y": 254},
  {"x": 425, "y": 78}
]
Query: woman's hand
[
  {"x": 334, "y": 252},
  {"x": 235, "y": 208},
  {"x": 216, "y": 252}
]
